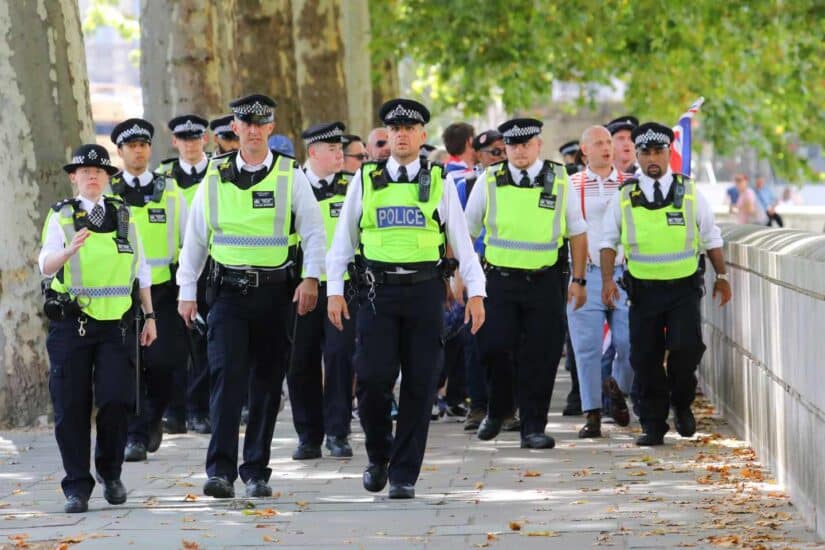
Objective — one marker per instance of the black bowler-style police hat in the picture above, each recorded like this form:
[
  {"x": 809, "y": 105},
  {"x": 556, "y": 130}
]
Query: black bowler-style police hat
[
  {"x": 520, "y": 130},
  {"x": 255, "y": 109},
  {"x": 570, "y": 148},
  {"x": 403, "y": 111},
  {"x": 327, "y": 132},
  {"x": 132, "y": 129},
  {"x": 91, "y": 154},
  {"x": 188, "y": 126},
  {"x": 222, "y": 127},
  {"x": 626, "y": 122},
  {"x": 652, "y": 135},
  {"x": 346, "y": 139},
  {"x": 484, "y": 139}
]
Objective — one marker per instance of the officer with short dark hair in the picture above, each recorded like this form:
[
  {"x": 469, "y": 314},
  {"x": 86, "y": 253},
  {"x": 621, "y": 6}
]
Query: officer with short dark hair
[
  {"x": 400, "y": 216},
  {"x": 92, "y": 254},
  {"x": 355, "y": 154},
  {"x": 159, "y": 210},
  {"x": 226, "y": 140},
  {"x": 527, "y": 210},
  {"x": 189, "y": 406},
  {"x": 247, "y": 216},
  {"x": 323, "y": 405},
  {"x": 663, "y": 224}
]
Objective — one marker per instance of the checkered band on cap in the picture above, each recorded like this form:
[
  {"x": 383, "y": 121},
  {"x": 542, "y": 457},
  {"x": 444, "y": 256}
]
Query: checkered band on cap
[
  {"x": 135, "y": 130},
  {"x": 650, "y": 136},
  {"x": 189, "y": 126},
  {"x": 225, "y": 129},
  {"x": 517, "y": 131},
  {"x": 335, "y": 132},
  {"x": 401, "y": 112},
  {"x": 256, "y": 108},
  {"x": 91, "y": 155}
]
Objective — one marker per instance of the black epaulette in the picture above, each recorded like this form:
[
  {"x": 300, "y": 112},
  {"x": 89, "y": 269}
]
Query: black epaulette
[
  {"x": 58, "y": 206},
  {"x": 117, "y": 183},
  {"x": 225, "y": 164},
  {"x": 629, "y": 181},
  {"x": 378, "y": 173},
  {"x": 340, "y": 182},
  {"x": 501, "y": 173},
  {"x": 170, "y": 160}
]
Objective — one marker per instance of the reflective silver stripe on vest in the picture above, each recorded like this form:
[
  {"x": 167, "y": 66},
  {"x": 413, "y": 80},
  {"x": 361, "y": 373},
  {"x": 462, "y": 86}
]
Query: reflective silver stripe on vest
[
  {"x": 663, "y": 258},
  {"x": 279, "y": 237},
  {"x": 101, "y": 291},
  {"x": 171, "y": 244},
  {"x": 492, "y": 226}
]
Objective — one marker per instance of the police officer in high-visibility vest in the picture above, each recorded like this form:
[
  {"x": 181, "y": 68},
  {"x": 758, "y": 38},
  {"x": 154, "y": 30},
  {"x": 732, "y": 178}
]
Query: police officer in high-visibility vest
[
  {"x": 226, "y": 140},
  {"x": 401, "y": 217},
  {"x": 247, "y": 216},
  {"x": 159, "y": 211},
  {"x": 323, "y": 406},
  {"x": 92, "y": 253},
  {"x": 664, "y": 224},
  {"x": 527, "y": 210},
  {"x": 189, "y": 405}
]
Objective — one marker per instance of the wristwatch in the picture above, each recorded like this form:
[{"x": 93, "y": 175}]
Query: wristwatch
[
  {"x": 151, "y": 315},
  {"x": 579, "y": 281},
  {"x": 721, "y": 276}
]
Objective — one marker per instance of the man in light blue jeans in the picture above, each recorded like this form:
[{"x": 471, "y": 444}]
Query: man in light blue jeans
[{"x": 596, "y": 185}]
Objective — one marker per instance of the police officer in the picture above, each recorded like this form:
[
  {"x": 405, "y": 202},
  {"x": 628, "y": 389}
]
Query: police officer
[
  {"x": 527, "y": 211},
  {"x": 569, "y": 151},
  {"x": 355, "y": 154},
  {"x": 624, "y": 152},
  {"x": 247, "y": 216},
  {"x": 159, "y": 212},
  {"x": 92, "y": 253},
  {"x": 401, "y": 217},
  {"x": 664, "y": 224},
  {"x": 225, "y": 138},
  {"x": 323, "y": 406},
  {"x": 189, "y": 406}
]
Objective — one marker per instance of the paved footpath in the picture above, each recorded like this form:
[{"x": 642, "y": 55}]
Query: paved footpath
[{"x": 706, "y": 492}]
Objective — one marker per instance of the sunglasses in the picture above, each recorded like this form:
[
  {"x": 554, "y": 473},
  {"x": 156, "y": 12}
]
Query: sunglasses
[
  {"x": 495, "y": 152},
  {"x": 381, "y": 143},
  {"x": 361, "y": 156}
]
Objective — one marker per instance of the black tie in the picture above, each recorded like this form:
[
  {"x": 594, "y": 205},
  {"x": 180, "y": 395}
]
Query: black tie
[
  {"x": 322, "y": 183},
  {"x": 525, "y": 179},
  {"x": 136, "y": 182},
  {"x": 402, "y": 174},
  {"x": 193, "y": 172},
  {"x": 658, "y": 198},
  {"x": 96, "y": 215}
]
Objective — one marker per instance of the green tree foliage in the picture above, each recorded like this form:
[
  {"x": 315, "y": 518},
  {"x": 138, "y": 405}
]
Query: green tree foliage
[{"x": 759, "y": 64}]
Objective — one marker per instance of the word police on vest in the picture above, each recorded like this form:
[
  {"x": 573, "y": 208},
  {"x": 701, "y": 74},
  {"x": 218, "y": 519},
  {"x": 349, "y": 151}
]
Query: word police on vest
[{"x": 400, "y": 216}]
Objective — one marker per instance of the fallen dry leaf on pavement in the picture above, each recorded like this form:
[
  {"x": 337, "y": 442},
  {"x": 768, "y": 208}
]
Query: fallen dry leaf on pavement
[
  {"x": 479, "y": 486},
  {"x": 265, "y": 513},
  {"x": 515, "y": 526},
  {"x": 189, "y": 545},
  {"x": 542, "y": 534},
  {"x": 190, "y": 497},
  {"x": 491, "y": 536},
  {"x": 531, "y": 473}
]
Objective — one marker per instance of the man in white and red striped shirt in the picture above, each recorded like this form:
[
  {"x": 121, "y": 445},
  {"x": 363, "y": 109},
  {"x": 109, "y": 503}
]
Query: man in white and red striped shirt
[{"x": 595, "y": 186}]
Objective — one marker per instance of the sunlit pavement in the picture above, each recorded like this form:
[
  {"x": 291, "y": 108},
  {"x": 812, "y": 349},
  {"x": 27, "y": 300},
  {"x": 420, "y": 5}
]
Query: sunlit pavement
[{"x": 708, "y": 491}]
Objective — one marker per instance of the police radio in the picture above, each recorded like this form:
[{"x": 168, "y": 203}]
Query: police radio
[
  {"x": 424, "y": 185},
  {"x": 549, "y": 180}
]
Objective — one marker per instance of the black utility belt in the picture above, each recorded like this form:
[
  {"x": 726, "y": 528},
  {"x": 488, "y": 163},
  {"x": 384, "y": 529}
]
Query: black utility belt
[
  {"x": 371, "y": 277},
  {"x": 684, "y": 281},
  {"x": 254, "y": 278},
  {"x": 515, "y": 272}
]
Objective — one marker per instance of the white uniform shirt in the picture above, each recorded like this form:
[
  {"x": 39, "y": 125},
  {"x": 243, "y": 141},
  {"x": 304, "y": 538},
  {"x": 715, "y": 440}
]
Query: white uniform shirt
[
  {"x": 314, "y": 178},
  {"x": 595, "y": 193},
  {"x": 710, "y": 236},
  {"x": 308, "y": 223},
  {"x": 348, "y": 233},
  {"x": 55, "y": 241},
  {"x": 477, "y": 203},
  {"x": 145, "y": 178},
  {"x": 199, "y": 167}
]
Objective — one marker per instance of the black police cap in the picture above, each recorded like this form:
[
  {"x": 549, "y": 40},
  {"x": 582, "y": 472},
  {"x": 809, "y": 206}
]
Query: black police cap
[
  {"x": 520, "y": 130},
  {"x": 570, "y": 148},
  {"x": 91, "y": 154},
  {"x": 403, "y": 111},
  {"x": 346, "y": 139},
  {"x": 222, "y": 126},
  {"x": 327, "y": 132},
  {"x": 484, "y": 139},
  {"x": 254, "y": 108},
  {"x": 132, "y": 129},
  {"x": 626, "y": 122},
  {"x": 652, "y": 135},
  {"x": 188, "y": 126}
]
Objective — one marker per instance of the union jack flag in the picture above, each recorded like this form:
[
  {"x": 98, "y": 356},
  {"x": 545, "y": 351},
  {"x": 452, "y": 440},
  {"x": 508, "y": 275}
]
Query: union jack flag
[{"x": 680, "y": 148}]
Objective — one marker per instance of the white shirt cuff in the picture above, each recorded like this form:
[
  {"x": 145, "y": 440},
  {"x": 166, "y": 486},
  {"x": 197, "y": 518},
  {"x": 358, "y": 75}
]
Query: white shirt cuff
[
  {"x": 335, "y": 288},
  {"x": 476, "y": 289},
  {"x": 189, "y": 292}
]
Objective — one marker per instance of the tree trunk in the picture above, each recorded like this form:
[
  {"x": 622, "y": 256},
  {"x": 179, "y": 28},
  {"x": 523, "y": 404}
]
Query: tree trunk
[
  {"x": 355, "y": 26},
  {"x": 319, "y": 60},
  {"x": 186, "y": 62},
  {"x": 45, "y": 114},
  {"x": 266, "y": 61}
]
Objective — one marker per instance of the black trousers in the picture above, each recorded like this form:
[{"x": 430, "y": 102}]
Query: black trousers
[
  {"x": 191, "y": 379},
  {"x": 322, "y": 405},
  {"x": 524, "y": 329},
  {"x": 95, "y": 366},
  {"x": 403, "y": 327},
  {"x": 665, "y": 317},
  {"x": 160, "y": 361},
  {"x": 246, "y": 331}
]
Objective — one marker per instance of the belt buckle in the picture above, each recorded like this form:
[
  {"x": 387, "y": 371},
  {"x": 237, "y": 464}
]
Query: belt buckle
[{"x": 253, "y": 279}]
